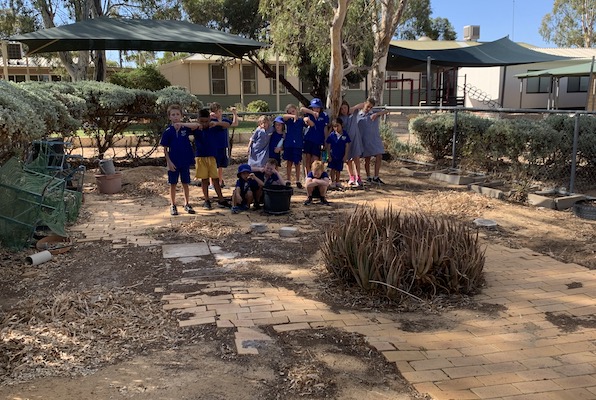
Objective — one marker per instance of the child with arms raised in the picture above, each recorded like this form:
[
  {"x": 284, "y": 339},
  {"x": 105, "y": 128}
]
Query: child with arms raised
[
  {"x": 316, "y": 133},
  {"x": 293, "y": 142}
]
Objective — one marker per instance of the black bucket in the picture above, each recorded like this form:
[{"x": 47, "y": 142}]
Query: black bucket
[{"x": 277, "y": 199}]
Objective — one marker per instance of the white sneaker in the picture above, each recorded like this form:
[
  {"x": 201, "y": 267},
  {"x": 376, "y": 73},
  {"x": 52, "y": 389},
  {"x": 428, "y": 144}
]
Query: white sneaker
[{"x": 351, "y": 182}]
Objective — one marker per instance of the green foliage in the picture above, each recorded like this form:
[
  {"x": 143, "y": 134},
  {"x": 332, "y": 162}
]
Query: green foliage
[
  {"x": 258, "y": 106},
  {"x": 414, "y": 254},
  {"x": 147, "y": 77},
  {"x": 435, "y": 132},
  {"x": 169, "y": 56},
  {"x": 417, "y": 23},
  {"x": 570, "y": 23},
  {"x": 19, "y": 121},
  {"x": 394, "y": 146}
]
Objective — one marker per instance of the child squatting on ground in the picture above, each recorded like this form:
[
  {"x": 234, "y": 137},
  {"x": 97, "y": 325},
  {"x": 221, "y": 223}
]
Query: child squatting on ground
[
  {"x": 246, "y": 190},
  {"x": 179, "y": 157},
  {"x": 317, "y": 182}
]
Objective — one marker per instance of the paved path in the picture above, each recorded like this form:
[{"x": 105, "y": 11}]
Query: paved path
[{"x": 517, "y": 355}]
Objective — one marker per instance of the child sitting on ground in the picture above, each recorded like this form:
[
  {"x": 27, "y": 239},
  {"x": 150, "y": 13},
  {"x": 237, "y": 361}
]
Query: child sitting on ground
[
  {"x": 269, "y": 176},
  {"x": 246, "y": 189},
  {"x": 317, "y": 182},
  {"x": 339, "y": 145}
]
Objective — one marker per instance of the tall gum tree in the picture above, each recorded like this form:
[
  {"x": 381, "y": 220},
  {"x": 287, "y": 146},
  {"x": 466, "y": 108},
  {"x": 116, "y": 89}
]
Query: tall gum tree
[
  {"x": 570, "y": 23},
  {"x": 336, "y": 67}
]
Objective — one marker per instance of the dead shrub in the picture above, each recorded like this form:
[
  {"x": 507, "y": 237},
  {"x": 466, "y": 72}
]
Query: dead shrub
[{"x": 404, "y": 254}]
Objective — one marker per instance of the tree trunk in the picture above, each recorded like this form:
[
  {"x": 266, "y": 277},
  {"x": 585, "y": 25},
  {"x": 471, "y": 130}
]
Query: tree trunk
[
  {"x": 385, "y": 21},
  {"x": 336, "y": 68}
]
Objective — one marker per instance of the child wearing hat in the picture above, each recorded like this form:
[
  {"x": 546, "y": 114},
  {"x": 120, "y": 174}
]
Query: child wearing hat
[
  {"x": 277, "y": 139},
  {"x": 316, "y": 133},
  {"x": 246, "y": 189}
]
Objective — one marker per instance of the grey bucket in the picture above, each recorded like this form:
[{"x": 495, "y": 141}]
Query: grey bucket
[{"x": 107, "y": 167}]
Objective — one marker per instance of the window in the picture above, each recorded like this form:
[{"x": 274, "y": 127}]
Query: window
[
  {"x": 539, "y": 84},
  {"x": 218, "y": 79},
  {"x": 282, "y": 88},
  {"x": 306, "y": 86},
  {"x": 249, "y": 79},
  {"x": 577, "y": 84}
]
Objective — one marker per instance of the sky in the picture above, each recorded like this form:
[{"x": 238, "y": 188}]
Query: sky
[{"x": 518, "y": 19}]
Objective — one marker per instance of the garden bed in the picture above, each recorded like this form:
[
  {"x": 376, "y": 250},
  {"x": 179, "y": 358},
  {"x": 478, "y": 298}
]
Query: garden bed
[{"x": 554, "y": 199}]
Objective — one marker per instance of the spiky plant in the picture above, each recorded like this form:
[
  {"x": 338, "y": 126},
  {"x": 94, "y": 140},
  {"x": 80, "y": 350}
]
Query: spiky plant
[{"x": 399, "y": 254}]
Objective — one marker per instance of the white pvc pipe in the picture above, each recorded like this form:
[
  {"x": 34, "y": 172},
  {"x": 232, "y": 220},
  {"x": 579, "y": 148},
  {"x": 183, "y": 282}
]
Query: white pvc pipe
[{"x": 39, "y": 258}]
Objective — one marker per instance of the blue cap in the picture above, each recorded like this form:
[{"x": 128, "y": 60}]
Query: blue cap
[
  {"x": 243, "y": 168},
  {"x": 279, "y": 119},
  {"x": 316, "y": 102}
]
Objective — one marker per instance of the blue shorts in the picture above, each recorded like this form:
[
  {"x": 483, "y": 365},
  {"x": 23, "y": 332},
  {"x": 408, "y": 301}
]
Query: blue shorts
[
  {"x": 293, "y": 154},
  {"x": 312, "y": 148},
  {"x": 221, "y": 159},
  {"x": 182, "y": 173},
  {"x": 336, "y": 165}
]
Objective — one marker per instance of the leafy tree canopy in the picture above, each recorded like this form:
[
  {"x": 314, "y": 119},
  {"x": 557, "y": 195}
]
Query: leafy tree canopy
[
  {"x": 147, "y": 77},
  {"x": 570, "y": 23},
  {"x": 417, "y": 23}
]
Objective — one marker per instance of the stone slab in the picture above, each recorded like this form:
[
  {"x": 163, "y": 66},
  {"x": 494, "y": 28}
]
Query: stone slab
[{"x": 185, "y": 250}]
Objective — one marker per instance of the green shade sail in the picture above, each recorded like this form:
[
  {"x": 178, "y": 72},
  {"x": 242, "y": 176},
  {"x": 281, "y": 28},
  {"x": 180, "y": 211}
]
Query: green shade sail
[
  {"x": 570, "y": 70},
  {"x": 137, "y": 34}
]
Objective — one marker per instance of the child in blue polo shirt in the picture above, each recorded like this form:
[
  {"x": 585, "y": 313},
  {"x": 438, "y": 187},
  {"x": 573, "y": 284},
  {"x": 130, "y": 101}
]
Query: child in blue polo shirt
[
  {"x": 276, "y": 139},
  {"x": 317, "y": 182},
  {"x": 316, "y": 133},
  {"x": 293, "y": 142},
  {"x": 222, "y": 138},
  {"x": 339, "y": 145},
  {"x": 246, "y": 189},
  {"x": 179, "y": 157}
]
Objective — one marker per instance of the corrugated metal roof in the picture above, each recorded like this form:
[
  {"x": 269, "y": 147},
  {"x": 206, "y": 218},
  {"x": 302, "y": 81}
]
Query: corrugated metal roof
[
  {"x": 430, "y": 44},
  {"x": 569, "y": 52}
]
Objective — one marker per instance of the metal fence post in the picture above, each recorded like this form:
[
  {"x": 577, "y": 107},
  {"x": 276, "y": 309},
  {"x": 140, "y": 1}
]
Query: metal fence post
[
  {"x": 454, "y": 144},
  {"x": 574, "y": 154}
]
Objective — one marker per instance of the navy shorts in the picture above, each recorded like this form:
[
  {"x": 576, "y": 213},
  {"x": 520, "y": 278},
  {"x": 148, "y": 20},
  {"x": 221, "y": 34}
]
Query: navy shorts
[
  {"x": 181, "y": 173},
  {"x": 336, "y": 165},
  {"x": 222, "y": 159},
  {"x": 293, "y": 154},
  {"x": 312, "y": 148}
]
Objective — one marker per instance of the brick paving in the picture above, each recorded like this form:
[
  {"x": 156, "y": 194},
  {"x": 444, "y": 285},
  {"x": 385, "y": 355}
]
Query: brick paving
[{"x": 517, "y": 355}]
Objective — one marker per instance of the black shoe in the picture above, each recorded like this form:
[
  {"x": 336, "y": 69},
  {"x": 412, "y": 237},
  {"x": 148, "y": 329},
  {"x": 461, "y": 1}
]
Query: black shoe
[
  {"x": 256, "y": 206},
  {"x": 224, "y": 204},
  {"x": 289, "y": 184},
  {"x": 377, "y": 180},
  {"x": 173, "y": 210},
  {"x": 324, "y": 201},
  {"x": 308, "y": 201},
  {"x": 207, "y": 205},
  {"x": 299, "y": 185},
  {"x": 188, "y": 209}
]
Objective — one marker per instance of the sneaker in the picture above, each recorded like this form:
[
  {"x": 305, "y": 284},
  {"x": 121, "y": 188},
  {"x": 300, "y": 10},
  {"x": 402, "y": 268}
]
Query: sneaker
[
  {"x": 369, "y": 179},
  {"x": 299, "y": 185},
  {"x": 256, "y": 206},
  {"x": 173, "y": 210},
  {"x": 308, "y": 201},
  {"x": 359, "y": 182},
  {"x": 351, "y": 182},
  {"x": 236, "y": 209},
  {"x": 222, "y": 185},
  {"x": 211, "y": 187},
  {"x": 188, "y": 209},
  {"x": 324, "y": 201},
  {"x": 224, "y": 204},
  {"x": 207, "y": 205},
  {"x": 377, "y": 180},
  {"x": 289, "y": 184}
]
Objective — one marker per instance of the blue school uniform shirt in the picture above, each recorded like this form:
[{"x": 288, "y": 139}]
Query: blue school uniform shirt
[
  {"x": 337, "y": 145},
  {"x": 273, "y": 141},
  {"x": 294, "y": 133},
  {"x": 222, "y": 140},
  {"x": 205, "y": 142},
  {"x": 312, "y": 175},
  {"x": 316, "y": 134},
  {"x": 245, "y": 185},
  {"x": 179, "y": 146},
  {"x": 273, "y": 179}
]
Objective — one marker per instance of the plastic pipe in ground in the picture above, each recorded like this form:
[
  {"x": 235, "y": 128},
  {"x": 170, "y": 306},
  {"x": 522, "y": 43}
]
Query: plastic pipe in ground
[{"x": 39, "y": 258}]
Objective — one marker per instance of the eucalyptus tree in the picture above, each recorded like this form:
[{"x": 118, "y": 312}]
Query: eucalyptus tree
[{"x": 570, "y": 23}]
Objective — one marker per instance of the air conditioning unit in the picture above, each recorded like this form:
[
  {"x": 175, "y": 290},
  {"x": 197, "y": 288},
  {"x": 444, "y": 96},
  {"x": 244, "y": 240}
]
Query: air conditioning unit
[
  {"x": 15, "y": 51},
  {"x": 471, "y": 32}
]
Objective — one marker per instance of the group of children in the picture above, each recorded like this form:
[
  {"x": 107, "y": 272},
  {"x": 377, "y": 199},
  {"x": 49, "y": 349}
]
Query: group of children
[{"x": 299, "y": 134}]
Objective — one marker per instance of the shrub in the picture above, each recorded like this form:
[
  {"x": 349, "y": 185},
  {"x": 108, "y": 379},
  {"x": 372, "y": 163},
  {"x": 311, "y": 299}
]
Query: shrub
[
  {"x": 416, "y": 254},
  {"x": 394, "y": 146},
  {"x": 147, "y": 78},
  {"x": 257, "y": 106}
]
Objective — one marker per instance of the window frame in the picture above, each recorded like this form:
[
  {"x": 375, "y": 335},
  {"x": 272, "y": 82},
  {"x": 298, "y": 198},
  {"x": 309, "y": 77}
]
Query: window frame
[{"x": 213, "y": 80}]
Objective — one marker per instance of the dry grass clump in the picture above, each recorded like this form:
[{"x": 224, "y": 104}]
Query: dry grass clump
[
  {"x": 404, "y": 254},
  {"x": 73, "y": 333}
]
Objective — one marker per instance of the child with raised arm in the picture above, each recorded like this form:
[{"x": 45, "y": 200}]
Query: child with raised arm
[
  {"x": 277, "y": 138},
  {"x": 293, "y": 142},
  {"x": 258, "y": 145},
  {"x": 339, "y": 145},
  {"x": 317, "y": 182},
  {"x": 349, "y": 116},
  {"x": 222, "y": 139},
  {"x": 179, "y": 157},
  {"x": 316, "y": 133},
  {"x": 372, "y": 144}
]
